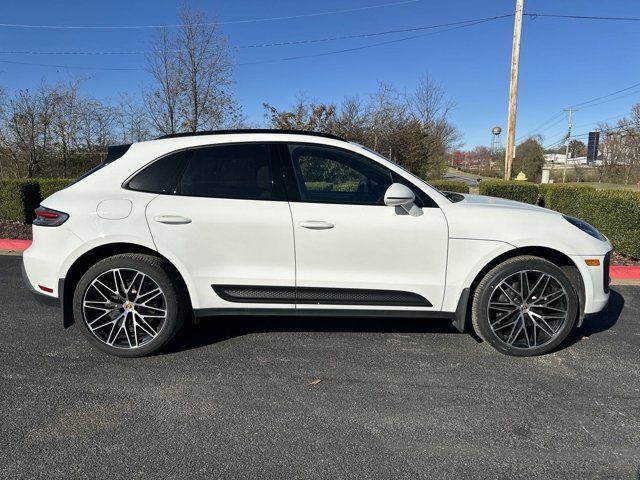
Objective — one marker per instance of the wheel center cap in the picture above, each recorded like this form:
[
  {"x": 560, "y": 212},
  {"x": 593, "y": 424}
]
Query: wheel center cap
[
  {"x": 524, "y": 307},
  {"x": 128, "y": 306}
]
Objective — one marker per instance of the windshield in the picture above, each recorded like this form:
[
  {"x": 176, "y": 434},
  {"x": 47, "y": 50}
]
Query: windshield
[{"x": 451, "y": 198}]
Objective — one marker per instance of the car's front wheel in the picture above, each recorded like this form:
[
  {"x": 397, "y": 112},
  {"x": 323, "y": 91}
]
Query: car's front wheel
[
  {"x": 525, "y": 306},
  {"x": 128, "y": 305}
]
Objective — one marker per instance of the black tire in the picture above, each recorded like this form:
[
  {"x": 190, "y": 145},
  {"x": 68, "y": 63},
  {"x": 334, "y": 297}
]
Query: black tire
[
  {"x": 174, "y": 302},
  {"x": 486, "y": 291}
]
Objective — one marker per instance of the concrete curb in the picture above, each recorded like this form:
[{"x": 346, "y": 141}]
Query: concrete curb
[{"x": 617, "y": 272}]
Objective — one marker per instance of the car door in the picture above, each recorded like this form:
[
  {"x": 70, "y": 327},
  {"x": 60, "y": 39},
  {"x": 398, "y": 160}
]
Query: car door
[
  {"x": 224, "y": 220},
  {"x": 352, "y": 251}
]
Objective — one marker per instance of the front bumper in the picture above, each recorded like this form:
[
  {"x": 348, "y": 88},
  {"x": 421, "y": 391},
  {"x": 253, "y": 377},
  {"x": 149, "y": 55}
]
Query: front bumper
[{"x": 595, "y": 280}]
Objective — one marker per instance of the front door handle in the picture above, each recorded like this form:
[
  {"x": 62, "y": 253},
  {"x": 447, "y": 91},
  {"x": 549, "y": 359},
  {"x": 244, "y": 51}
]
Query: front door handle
[
  {"x": 316, "y": 225},
  {"x": 172, "y": 219}
]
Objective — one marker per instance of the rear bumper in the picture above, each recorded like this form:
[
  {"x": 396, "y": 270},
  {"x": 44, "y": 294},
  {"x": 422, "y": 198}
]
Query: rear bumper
[
  {"x": 44, "y": 261},
  {"x": 41, "y": 297}
]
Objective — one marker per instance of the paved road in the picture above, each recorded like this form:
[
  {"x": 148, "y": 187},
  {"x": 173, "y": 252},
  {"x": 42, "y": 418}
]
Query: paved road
[
  {"x": 466, "y": 178},
  {"x": 399, "y": 399}
]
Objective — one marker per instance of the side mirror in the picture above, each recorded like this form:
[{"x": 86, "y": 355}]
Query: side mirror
[{"x": 399, "y": 195}]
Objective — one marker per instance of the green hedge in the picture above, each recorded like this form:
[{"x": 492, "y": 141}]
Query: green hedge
[
  {"x": 318, "y": 186},
  {"x": 20, "y": 197},
  {"x": 526, "y": 192},
  {"x": 49, "y": 186},
  {"x": 346, "y": 187},
  {"x": 450, "y": 186},
  {"x": 616, "y": 213}
]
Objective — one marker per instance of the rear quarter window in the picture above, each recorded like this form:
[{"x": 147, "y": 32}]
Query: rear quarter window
[{"x": 161, "y": 176}]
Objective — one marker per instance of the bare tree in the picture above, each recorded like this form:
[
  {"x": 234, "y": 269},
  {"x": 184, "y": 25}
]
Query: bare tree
[
  {"x": 192, "y": 73},
  {"x": 431, "y": 108},
  {"x": 162, "y": 100},
  {"x": 29, "y": 119},
  {"x": 4, "y": 137},
  {"x": 133, "y": 120},
  {"x": 67, "y": 110}
]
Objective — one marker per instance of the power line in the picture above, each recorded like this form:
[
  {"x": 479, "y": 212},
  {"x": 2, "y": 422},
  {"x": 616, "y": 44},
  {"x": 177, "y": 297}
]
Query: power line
[
  {"x": 70, "y": 66},
  {"x": 463, "y": 24},
  {"x": 262, "y": 45},
  {"x": 607, "y": 95},
  {"x": 590, "y": 103},
  {"x": 542, "y": 125},
  {"x": 616, "y": 117},
  {"x": 582, "y": 17},
  {"x": 229, "y": 22},
  {"x": 586, "y": 134},
  {"x": 363, "y": 47}
]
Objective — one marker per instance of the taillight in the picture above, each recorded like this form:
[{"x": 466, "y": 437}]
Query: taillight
[{"x": 46, "y": 217}]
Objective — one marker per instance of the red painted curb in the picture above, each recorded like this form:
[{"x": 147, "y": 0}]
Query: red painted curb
[
  {"x": 623, "y": 272},
  {"x": 619, "y": 272},
  {"x": 13, "y": 245}
]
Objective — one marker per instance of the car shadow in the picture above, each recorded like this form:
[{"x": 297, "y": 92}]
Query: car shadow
[
  {"x": 220, "y": 328},
  {"x": 599, "y": 322}
]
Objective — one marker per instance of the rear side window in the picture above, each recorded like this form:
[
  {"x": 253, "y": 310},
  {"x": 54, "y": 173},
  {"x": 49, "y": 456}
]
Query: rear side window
[
  {"x": 161, "y": 176},
  {"x": 242, "y": 171}
]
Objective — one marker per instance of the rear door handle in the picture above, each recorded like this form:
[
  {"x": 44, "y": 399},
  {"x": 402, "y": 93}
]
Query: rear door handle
[
  {"x": 316, "y": 225},
  {"x": 172, "y": 219}
]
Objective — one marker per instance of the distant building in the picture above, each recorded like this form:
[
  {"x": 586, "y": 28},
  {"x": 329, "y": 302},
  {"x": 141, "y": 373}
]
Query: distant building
[{"x": 560, "y": 158}]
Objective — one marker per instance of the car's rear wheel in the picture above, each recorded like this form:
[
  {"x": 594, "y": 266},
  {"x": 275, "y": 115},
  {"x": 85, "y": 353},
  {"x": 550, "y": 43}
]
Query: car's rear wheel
[
  {"x": 525, "y": 306},
  {"x": 128, "y": 305}
]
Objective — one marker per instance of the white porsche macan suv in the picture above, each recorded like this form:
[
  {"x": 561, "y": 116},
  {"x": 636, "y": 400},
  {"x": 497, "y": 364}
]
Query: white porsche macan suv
[{"x": 267, "y": 222}]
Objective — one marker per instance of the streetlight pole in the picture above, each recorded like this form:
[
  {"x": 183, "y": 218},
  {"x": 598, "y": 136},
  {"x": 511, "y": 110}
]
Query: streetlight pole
[{"x": 513, "y": 91}]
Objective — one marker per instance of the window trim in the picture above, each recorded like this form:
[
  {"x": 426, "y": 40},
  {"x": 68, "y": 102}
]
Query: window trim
[
  {"x": 284, "y": 175},
  {"x": 293, "y": 190},
  {"x": 276, "y": 159}
]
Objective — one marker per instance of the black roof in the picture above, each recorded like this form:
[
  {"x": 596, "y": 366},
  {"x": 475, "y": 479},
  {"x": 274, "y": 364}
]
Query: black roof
[{"x": 251, "y": 130}]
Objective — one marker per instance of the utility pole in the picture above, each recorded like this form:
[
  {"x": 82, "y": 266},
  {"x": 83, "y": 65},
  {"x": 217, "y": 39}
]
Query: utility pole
[
  {"x": 513, "y": 91},
  {"x": 566, "y": 157}
]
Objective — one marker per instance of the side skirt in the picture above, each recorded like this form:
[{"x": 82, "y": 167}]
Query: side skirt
[{"x": 320, "y": 312}]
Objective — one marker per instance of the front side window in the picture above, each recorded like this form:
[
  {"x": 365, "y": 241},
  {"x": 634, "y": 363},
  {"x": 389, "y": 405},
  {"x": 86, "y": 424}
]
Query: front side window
[
  {"x": 242, "y": 171},
  {"x": 332, "y": 175}
]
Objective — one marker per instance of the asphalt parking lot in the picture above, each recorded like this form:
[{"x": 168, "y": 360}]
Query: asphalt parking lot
[{"x": 398, "y": 399}]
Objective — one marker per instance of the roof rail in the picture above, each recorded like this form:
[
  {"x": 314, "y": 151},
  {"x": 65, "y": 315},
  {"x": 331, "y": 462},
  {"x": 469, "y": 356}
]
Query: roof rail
[{"x": 251, "y": 130}]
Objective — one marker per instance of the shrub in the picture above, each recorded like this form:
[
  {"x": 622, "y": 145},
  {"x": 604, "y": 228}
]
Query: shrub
[
  {"x": 49, "y": 186},
  {"x": 345, "y": 187},
  {"x": 616, "y": 213},
  {"x": 547, "y": 192},
  {"x": 526, "y": 192},
  {"x": 18, "y": 199},
  {"x": 318, "y": 186},
  {"x": 450, "y": 186}
]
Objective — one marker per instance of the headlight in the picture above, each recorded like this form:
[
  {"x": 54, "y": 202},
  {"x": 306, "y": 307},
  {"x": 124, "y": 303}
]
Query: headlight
[{"x": 585, "y": 227}]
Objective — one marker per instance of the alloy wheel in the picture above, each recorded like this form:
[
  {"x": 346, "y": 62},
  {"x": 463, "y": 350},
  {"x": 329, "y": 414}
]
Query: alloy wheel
[
  {"x": 124, "y": 308},
  {"x": 528, "y": 309}
]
